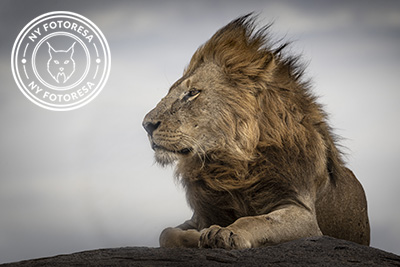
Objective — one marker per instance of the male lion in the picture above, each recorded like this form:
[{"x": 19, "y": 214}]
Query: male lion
[{"x": 253, "y": 149}]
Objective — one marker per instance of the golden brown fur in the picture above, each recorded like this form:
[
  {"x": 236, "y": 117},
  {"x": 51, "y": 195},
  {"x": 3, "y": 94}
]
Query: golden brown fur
[{"x": 253, "y": 149}]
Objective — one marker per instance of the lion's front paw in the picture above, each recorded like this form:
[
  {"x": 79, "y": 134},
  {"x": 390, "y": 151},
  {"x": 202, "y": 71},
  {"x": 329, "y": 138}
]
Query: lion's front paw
[
  {"x": 222, "y": 237},
  {"x": 178, "y": 238}
]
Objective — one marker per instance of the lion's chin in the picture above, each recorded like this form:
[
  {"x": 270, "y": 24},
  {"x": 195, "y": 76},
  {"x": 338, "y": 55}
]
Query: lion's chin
[{"x": 166, "y": 157}]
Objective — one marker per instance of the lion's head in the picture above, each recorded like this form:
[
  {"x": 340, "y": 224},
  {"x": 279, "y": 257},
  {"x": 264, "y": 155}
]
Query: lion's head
[{"x": 217, "y": 105}]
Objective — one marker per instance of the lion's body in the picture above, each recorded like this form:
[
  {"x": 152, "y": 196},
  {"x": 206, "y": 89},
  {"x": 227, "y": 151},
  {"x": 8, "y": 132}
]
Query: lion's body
[{"x": 253, "y": 149}]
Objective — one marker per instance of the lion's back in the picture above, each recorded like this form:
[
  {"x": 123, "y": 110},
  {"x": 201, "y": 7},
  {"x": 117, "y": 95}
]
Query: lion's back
[{"x": 342, "y": 210}]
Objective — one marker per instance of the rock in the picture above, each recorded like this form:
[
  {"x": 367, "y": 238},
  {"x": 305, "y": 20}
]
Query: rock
[{"x": 317, "y": 251}]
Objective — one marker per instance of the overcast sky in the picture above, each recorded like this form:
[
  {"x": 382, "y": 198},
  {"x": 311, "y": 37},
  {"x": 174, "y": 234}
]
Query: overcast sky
[{"x": 86, "y": 179}]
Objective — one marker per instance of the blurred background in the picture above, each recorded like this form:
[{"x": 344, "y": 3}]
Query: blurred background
[{"x": 86, "y": 179}]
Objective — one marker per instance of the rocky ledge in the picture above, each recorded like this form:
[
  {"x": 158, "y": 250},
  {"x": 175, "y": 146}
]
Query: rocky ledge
[{"x": 318, "y": 251}]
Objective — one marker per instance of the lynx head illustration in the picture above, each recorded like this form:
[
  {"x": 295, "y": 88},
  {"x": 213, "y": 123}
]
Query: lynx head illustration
[{"x": 61, "y": 65}]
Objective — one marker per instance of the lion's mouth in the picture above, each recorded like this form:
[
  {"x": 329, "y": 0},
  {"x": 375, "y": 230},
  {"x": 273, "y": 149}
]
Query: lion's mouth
[{"x": 183, "y": 151}]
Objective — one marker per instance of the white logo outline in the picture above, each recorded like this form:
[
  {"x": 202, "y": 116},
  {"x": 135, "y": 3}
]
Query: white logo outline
[{"x": 97, "y": 70}]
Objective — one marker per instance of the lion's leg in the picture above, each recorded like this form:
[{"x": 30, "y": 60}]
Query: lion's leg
[
  {"x": 184, "y": 235},
  {"x": 288, "y": 223}
]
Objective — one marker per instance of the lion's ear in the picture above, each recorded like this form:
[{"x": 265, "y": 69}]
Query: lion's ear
[{"x": 261, "y": 69}]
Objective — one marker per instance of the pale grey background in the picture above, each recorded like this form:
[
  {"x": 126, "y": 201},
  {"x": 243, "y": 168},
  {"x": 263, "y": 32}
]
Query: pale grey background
[{"x": 86, "y": 179}]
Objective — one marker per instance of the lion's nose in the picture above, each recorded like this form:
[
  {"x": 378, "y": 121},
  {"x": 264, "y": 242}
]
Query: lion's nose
[{"x": 150, "y": 127}]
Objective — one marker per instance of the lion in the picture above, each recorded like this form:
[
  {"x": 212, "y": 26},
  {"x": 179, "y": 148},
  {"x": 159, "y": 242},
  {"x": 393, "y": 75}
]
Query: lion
[{"x": 253, "y": 149}]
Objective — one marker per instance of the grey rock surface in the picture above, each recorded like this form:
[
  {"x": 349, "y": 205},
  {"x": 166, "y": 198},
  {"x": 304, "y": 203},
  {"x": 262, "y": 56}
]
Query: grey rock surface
[{"x": 317, "y": 251}]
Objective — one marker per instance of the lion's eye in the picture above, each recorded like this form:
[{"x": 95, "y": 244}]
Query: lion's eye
[{"x": 192, "y": 94}]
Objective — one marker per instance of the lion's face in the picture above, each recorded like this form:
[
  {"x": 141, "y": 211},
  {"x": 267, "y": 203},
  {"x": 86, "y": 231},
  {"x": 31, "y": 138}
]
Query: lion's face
[{"x": 200, "y": 115}]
